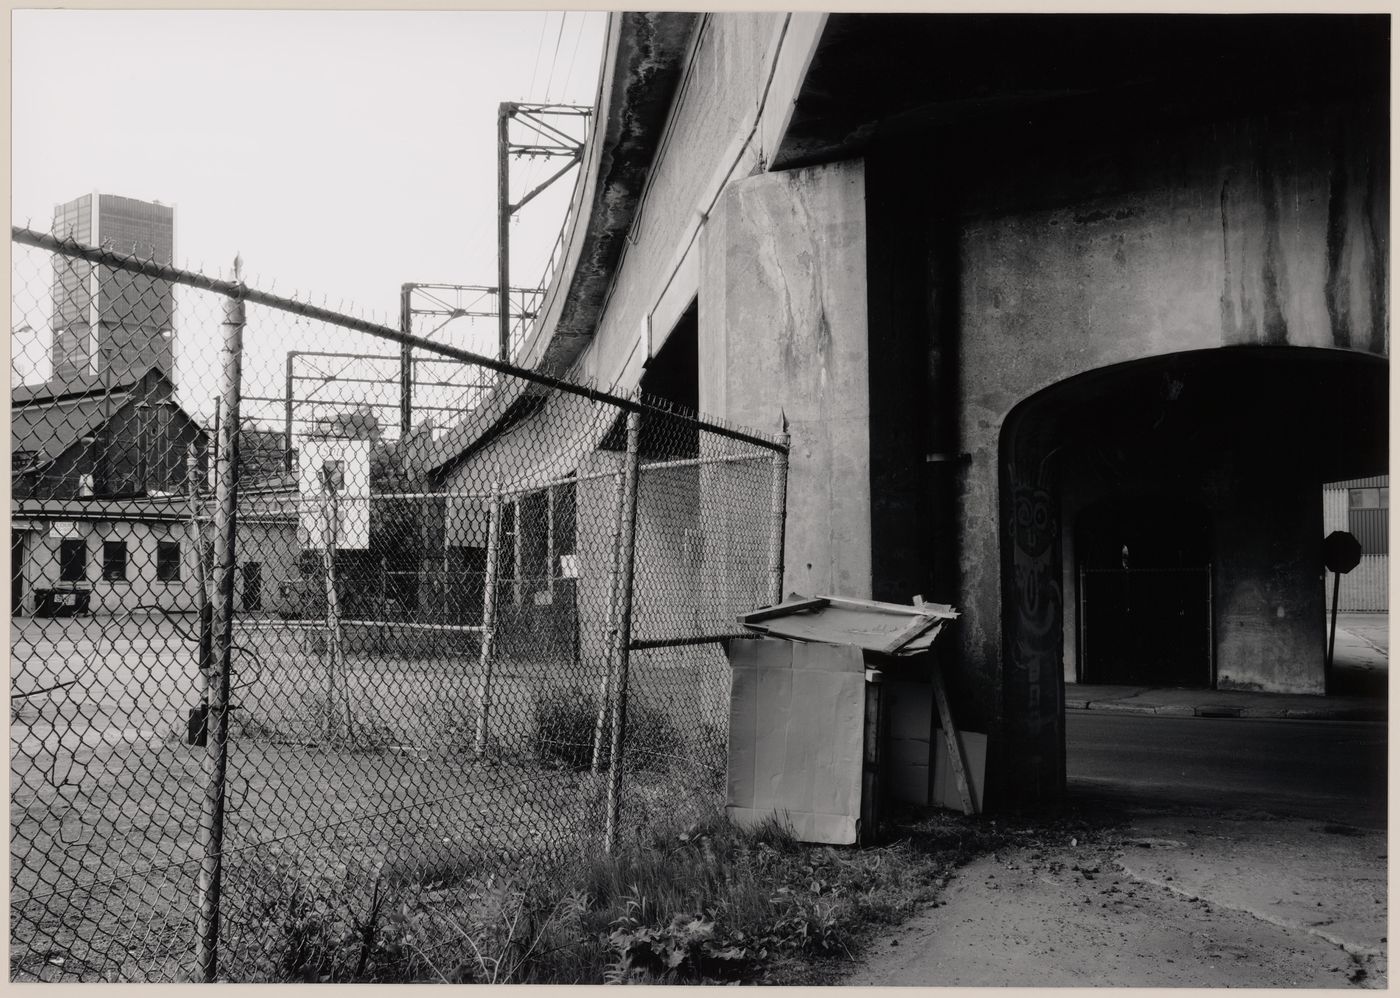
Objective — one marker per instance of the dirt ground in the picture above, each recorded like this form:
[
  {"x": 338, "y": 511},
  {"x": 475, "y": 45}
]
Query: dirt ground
[
  {"x": 106, "y": 795},
  {"x": 1170, "y": 900}
]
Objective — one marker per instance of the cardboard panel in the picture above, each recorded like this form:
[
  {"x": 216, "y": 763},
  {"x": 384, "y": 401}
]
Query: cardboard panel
[
  {"x": 945, "y": 784},
  {"x": 796, "y": 728}
]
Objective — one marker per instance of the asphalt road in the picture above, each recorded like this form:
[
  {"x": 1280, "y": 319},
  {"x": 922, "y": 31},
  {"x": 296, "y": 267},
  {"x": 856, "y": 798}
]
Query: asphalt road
[{"x": 1332, "y": 770}]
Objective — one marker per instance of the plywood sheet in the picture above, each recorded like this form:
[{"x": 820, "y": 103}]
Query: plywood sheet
[{"x": 889, "y": 628}]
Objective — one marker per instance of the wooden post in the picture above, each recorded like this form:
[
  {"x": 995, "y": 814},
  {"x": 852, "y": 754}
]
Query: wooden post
[
  {"x": 488, "y": 617},
  {"x": 777, "y": 513},
  {"x": 622, "y": 634},
  {"x": 950, "y": 735},
  {"x": 605, "y": 683},
  {"x": 211, "y": 825}
]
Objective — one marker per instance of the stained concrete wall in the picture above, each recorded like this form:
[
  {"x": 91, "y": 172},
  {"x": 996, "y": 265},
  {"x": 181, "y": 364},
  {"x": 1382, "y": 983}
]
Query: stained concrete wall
[
  {"x": 1128, "y": 240},
  {"x": 784, "y": 333},
  {"x": 1269, "y": 606},
  {"x": 1266, "y": 231}
]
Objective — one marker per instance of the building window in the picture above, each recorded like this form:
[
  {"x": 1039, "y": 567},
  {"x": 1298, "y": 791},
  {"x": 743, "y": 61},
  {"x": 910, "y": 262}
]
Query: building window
[
  {"x": 168, "y": 561},
  {"x": 72, "y": 561},
  {"x": 1368, "y": 498},
  {"x": 1368, "y": 518},
  {"x": 114, "y": 561}
]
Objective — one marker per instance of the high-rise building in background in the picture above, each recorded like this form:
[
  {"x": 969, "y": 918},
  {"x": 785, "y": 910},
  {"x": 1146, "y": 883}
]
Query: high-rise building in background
[{"x": 107, "y": 321}]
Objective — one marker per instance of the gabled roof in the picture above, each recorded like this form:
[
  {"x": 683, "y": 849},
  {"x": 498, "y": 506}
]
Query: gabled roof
[
  {"x": 47, "y": 420},
  {"x": 77, "y": 385},
  {"x": 46, "y": 431}
]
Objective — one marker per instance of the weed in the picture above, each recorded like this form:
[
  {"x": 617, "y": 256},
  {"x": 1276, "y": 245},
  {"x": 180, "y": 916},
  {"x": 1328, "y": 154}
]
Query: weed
[
  {"x": 685, "y": 947},
  {"x": 564, "y": 725},
  {"x": 707, "y": 901}
]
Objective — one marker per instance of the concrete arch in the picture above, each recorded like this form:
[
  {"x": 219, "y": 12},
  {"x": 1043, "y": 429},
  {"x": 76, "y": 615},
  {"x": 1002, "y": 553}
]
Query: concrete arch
[{"x": 1249, "y": 432}]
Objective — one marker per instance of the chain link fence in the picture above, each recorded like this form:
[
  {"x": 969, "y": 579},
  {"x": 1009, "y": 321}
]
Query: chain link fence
[{"x": 286, "y": 666}]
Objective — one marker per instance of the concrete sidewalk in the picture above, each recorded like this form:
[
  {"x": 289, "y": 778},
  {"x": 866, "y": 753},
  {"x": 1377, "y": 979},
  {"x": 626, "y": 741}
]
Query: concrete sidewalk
[
  {"x": 1169, "y": 900},
  {"x": 1360, "y": 662}
]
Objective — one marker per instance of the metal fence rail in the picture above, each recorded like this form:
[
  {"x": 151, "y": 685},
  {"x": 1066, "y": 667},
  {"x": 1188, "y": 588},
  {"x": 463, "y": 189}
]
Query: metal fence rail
[{"x": 268, "y": 678}]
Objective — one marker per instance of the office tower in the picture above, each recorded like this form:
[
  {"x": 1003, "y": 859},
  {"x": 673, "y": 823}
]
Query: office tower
[{"x": 105, "y": 321}]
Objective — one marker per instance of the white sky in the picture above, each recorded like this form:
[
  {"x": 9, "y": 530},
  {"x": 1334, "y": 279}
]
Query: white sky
[{"x": 342, "y": 153}]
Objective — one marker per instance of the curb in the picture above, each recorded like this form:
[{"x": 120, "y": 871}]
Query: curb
[{"x": 1360, "y": 714}]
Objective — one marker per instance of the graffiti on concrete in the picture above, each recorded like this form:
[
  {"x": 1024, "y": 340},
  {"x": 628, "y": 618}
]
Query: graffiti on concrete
[{"x": 1036, "y": 619}]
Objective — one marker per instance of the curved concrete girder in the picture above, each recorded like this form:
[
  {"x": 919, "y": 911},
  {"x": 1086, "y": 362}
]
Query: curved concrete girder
[{"x": 642, "y": 68}]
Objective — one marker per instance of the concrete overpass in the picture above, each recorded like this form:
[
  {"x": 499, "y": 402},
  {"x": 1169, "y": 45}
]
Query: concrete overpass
[{"x": 1069, "y": 319}]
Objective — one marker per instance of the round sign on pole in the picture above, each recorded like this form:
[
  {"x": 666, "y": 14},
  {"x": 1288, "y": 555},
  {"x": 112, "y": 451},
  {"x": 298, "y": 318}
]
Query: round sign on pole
[{"x": 1341, "y": 552}]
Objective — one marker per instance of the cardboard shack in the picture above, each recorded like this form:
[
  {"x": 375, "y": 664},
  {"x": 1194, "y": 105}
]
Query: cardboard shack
[{"x": 838, "y": 704}]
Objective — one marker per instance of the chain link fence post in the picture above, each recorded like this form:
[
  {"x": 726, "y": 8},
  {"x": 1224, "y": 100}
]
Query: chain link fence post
[
  {"x": 605, "y": 684},
  {"x": 488, "y": 618},
  {"x": 334, "y": 650},
  {"x": 777, "y": 514},
  {"x": 622, "y": 635},
  {"x": 216, "y": 759}
]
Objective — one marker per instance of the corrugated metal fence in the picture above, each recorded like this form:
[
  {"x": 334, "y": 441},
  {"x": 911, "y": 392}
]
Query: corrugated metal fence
[{"x": 1361, "y": 507}]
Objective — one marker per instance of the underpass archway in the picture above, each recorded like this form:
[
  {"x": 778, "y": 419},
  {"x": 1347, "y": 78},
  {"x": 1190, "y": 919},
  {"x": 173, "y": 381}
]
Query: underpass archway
[{"x": 1217, "y": 453}]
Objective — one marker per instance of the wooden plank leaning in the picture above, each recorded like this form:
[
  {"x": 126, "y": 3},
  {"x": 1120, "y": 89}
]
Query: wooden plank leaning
[{"x": 950, "y": 733}]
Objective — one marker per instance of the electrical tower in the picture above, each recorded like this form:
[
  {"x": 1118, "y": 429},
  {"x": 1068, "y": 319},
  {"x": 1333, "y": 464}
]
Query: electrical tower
[{"x": 553, "y": 127}]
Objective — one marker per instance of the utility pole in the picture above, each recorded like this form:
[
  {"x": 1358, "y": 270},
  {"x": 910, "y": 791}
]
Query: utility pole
[{"x": 503, "y": 212}]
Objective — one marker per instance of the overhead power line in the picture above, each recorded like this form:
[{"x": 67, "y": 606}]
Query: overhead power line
[{"x": 554, "y": 60}]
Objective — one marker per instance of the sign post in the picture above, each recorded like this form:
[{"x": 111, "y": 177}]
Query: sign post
[{"x": 1341, "y": 552}]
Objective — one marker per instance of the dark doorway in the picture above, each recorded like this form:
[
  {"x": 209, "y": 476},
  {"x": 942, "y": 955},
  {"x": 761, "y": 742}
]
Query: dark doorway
[
  {"x": 252, "y": 585},
  {"x": 1145, "y": 593},
  {"x": 17, "y": 572},
  {"x": 670, "y": 382},
  {"x": 464, "y": 585}
]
